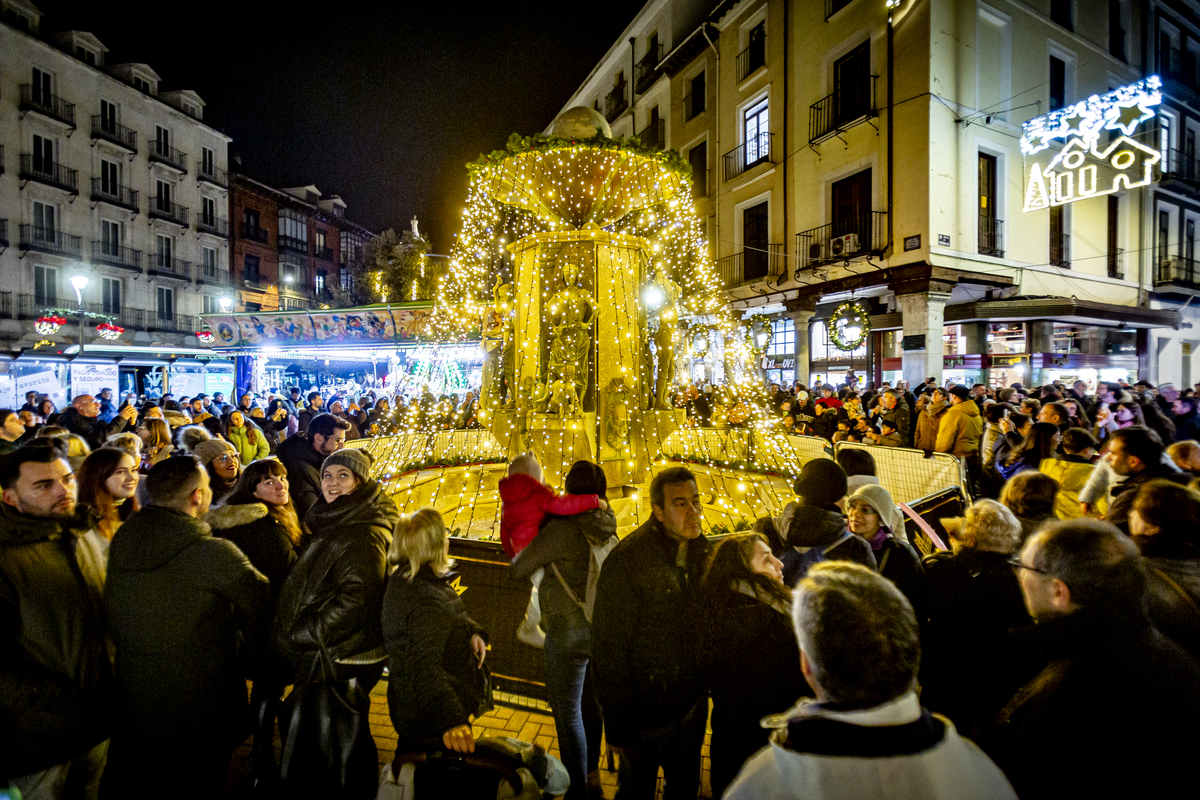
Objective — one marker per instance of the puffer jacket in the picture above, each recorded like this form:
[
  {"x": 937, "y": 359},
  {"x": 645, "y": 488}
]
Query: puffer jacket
[
  {"x": 248, "y": 451},
  {"x": 56, "y": 686},
  {"x": 334, "y": 593},
  {"x": 643, "y": 649},
  {"x": 303, "y": 465},
  {"x": 181, "y": 604},
  {"x": 960, "y": 431},
  {"x": 928, "y": 422},
  {"x": 1072, "y": 473},
  {"x": 817, "y": 534},
  {"x": 433, "y": 676}
]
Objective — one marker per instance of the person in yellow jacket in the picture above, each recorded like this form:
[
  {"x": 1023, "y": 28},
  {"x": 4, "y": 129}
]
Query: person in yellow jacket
[
  {"x": 246, "y": 438},
  {"x": 1071, "y": 470},
  {"x": 961, "y": 426}
]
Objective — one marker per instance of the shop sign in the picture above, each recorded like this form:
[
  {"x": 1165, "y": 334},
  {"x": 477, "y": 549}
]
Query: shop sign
[
  {"x": 1008, "y": 361},
  {"x": 778, "y": 362},
  {"x": 914, "y": 342},
  {"x": 1085, "y": 168},
  {"x": 912, "y": 243},
  {"x": 91, "y": 378},
  {"x": 951, "y": 362}
]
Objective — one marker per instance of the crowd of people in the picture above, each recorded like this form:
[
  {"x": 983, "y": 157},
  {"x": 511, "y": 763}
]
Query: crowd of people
[{"x": 151, "y": 569}]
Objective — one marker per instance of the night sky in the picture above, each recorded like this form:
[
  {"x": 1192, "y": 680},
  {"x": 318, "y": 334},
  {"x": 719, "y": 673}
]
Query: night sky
[{"x": 383, "y": 105}]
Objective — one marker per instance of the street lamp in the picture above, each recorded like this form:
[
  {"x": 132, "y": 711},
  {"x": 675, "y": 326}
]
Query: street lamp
[
  {"x": 224, "y": 302},
  {"x": 80, "y": 282}
]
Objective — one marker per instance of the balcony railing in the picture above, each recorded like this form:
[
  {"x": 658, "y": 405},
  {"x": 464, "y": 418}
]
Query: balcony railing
[
  {"x": 172, "y": 323},
  {"x": 756, "y": 150},
  {"x": 163, "y": 209},
  {"x": 654, "y": 134},
  {"x": 125, "y": 317},
  {"x": 1178, "y": 66},
  {"x": 843, "y": 108},
  {"x": 30, "y": 307},
  {"x": 325, "y": 254},
  {"x": 292, "y": 243},
  {"x": 48, "y": 105},
  {"x": 210, "y": 224},
  {"x": 750, "y": 265},
  {"x": 1060, "y": 250},
  {"x": 211, "y": 276},
  {"x": 254, "y": 234},
  {"x": 110, "y": 131},
  {"x": 115, "y": 194},
  {"x": 116, "y": 256},
  {"x": 1178, "y": 271},
  {"x": 49, "y": 240},
  {"x": 160, "y": 153},
  {"x": 6, "y": 305},
  {"x": 159, "y": 264},
  {"x": 3, "y": 233},
  {"x": 647, "y": 68},
  {"x": 55, "y": 175},
  {"x": 616, "y": 102},
  {"x": 753, "y": 57},
  {"x": 1, "y": 159},
  {"x": 1178, "y": 165},
  {"x": 991, "y": 237},
  {"x": 1116, "y": 263},
  {"x": 210, "y": 174},
  {"x": 845, "y": 238}
]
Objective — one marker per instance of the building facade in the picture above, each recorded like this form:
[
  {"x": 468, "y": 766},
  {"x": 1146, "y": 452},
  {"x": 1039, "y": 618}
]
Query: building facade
[
  {"x": 105, "y": 176},
  {"x": 870, "y": 152},
  {"x": 292, "y": 248}
]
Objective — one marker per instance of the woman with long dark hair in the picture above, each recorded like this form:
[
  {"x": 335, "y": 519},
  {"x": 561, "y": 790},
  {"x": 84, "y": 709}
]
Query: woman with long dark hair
[
  {"x": 748, "y": 650},
  {"x": 1041, "y": 442},
  {"x": 108, "y": 482},
  {"x": 258, "y": 517}
]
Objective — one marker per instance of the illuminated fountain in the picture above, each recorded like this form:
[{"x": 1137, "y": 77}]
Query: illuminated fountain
[{"x": 583, "y": 269}]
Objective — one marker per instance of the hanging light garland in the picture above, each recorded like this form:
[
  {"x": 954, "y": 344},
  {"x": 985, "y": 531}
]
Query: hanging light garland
[
  {"x": 108, "y": 330},
  {"x": 48, "y": 325},
  {"x": 205, "y": 337},
  {"x": 849, "y": 326}
]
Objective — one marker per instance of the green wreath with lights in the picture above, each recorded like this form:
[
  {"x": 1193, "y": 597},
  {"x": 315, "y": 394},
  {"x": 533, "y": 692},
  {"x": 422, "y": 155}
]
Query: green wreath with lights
[
  {"x": 759, "y": 323},
  {"x": 847, "y": 312}
]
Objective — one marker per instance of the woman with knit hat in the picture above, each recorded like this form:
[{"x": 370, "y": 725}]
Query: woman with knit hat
[
  {"x": 220, "y": 459},
  {"x": 875, "y": 518},
  {"x": 328, "y": 626}
]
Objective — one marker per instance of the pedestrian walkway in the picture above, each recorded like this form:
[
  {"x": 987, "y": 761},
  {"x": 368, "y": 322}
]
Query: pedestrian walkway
[{"x": 525, "y": 725}]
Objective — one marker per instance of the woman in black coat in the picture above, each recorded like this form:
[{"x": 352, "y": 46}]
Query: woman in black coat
[
  {"x": 327, "y": 625},
  {"x": 435, "y": 651},
  {"x": 875, "y": 518},
  {"x": 748, "y": 650}
]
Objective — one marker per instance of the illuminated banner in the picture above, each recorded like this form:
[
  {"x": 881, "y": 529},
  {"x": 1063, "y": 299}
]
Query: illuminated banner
[{"x": 1087, "y": 167}]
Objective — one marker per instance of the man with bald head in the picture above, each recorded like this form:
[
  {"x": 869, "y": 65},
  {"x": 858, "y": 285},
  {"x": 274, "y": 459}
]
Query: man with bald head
[{"x": 83, "y": 418}]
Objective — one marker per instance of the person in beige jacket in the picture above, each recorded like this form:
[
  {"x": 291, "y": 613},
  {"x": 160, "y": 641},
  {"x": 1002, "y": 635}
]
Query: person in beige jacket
[
  {"x": 930, "y": 419},
  {"x": 961, "y": 426}
]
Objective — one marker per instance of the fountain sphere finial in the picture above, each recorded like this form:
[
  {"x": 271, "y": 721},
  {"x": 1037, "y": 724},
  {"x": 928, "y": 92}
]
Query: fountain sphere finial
[{"x": 580, "y": 122}]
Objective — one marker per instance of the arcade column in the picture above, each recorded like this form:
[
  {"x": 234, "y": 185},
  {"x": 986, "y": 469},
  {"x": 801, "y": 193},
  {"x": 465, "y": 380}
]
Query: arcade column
[{"x": 923, "y": 314}]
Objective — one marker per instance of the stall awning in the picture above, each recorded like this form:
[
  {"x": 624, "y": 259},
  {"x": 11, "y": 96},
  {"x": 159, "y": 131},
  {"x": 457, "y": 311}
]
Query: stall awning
[{"x": 1065, "y": 310}]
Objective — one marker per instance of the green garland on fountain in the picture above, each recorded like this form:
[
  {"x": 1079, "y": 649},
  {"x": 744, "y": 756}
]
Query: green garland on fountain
[{"x": 541, "y": 143}]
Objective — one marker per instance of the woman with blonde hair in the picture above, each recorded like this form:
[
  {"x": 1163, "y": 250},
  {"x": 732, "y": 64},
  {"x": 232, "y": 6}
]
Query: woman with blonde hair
[
  {"x": 971, "y": 665},
  {"x": 156, "y": 436},
  {"x": 435, "y": 650}
]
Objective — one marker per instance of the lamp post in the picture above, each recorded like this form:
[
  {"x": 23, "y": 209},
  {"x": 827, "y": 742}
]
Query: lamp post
[
  {"x": 80, "y": 282},
  {"x": 224, "y": 302}
]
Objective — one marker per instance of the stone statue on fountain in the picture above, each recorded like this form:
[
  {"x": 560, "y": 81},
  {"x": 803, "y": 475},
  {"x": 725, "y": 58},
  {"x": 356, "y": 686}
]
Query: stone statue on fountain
[
  {"x": 571, "y": 314},
  {"x": 497, "y": 338},
  {"x": 664, "y": 340}
]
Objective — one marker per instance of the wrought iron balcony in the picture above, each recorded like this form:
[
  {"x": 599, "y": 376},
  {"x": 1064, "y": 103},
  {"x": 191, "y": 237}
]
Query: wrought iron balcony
[
  {"x": 48, "y": 105},
  {"x": 159, "y": 264},
  {"x": 115, "y": 194},
  {"x": 654, "y": 134},
  {"x": 110, "y": 131},
  {"x": 50, "y": 174},
  {"x": 6, "y": 305},
  {"x": 750, "y": 266},
  {"x": 753, "y": 57},
  {"x": 1180, "y": 169},
  {"x": 1060, "y": 250},
  {"x": 116, "y": 256},
  {"x": 752, "y": 153},
  {"x": 647, "y": 69},
  {"x": 991, "y": 236},
  {"x": 842, "y": 109},
  {"x": 172, "y": 323},
  {"x": 163, "y": 209},
  {"x": 160, "y": 153},
  {"x": 1116, "y": 262},
  {"x": 211, "y": 174},
  {"x": 211, "y": 276},
  {"x": 30, "y": 307},
  {"x": 325, "y": 254},
  {"x": 3, "y": 233},
  {"x": 1179, "y": 272},
  {"x": 125, "y": 317},
  {"x": 616, "y": 102},
  {"x": 210, "y": 224},
  {"x": 254, "y": 234},
  {"x": 848, "y": 237},
  {"x": 49, "y": 240},
  {"x": 292, "y": 243}
]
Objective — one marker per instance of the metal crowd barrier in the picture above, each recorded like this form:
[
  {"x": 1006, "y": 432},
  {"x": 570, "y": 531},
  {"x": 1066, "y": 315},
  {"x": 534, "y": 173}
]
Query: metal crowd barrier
[
  {"x": 932, "y": 509},
  {"x": 910, "y": 474}
]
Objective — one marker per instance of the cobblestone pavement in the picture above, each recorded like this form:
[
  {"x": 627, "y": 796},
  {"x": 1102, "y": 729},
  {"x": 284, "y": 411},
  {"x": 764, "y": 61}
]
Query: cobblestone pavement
[{"x": 525, "y": 725}]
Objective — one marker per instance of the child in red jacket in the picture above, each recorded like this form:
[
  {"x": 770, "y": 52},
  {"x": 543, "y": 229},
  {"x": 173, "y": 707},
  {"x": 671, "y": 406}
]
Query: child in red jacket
[{"x": 525, "y": 502}]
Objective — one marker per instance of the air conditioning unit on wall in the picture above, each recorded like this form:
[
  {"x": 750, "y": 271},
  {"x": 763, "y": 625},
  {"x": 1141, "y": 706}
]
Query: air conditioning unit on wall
[{"x": 846, "y": 245}]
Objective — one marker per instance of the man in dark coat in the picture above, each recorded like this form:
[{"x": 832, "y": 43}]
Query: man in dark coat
[
  {"x": 896, "y": 410},
  {"x": 83, "y": 418},
  {"x": 180, "y": 603},
  {"x": 314, "y": 407},
  {"x": 55, "y": 676},
  {"x": 303, "y": 454},
  {"x": 1187, "y": 421},
  {"x": 650, "y": 690},
  {"x": 814, "y": 529},
  {"x": 1135, "y": 452},
  {"x": 1084, "y": 583}
]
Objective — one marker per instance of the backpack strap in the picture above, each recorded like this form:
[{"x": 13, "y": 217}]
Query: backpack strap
[
  {"x": 1188, "y": 600},
  {"x": 570, "y": 592}
]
